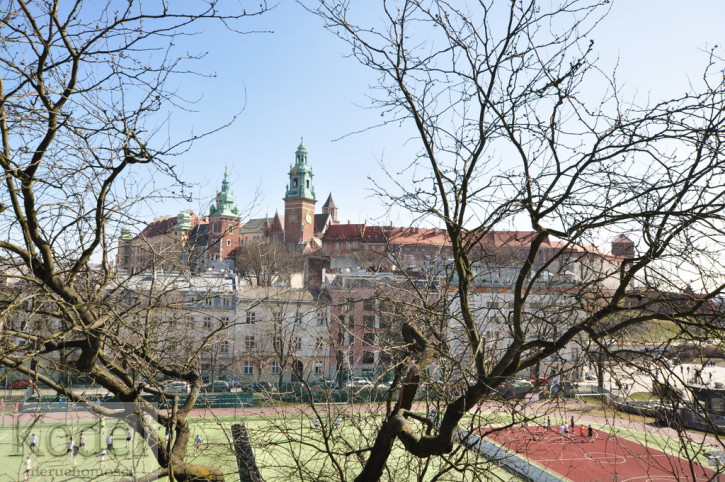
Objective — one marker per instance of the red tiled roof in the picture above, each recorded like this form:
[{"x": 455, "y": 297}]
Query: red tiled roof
[
  {"x": 510, "y": 238},
  {"x": 384, "y": 234},
  {"x": 160, "y": 226}
]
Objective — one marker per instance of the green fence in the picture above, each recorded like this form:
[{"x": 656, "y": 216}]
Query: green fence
[{"x": 209, "y": 400}]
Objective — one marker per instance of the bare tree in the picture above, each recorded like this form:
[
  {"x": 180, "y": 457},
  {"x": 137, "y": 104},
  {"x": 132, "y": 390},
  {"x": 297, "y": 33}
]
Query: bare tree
[
  {"x": 264, "y": 263},
  {"x": 86, "y": 90},
  {"x": 517, "y": 126}
]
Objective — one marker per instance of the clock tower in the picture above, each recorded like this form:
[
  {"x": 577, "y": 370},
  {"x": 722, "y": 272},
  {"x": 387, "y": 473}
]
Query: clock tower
[{"x": 299, "y": 201}]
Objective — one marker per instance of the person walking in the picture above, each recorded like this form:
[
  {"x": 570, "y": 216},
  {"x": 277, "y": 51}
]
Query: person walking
[
  {"x": 102, "y": 425},
  {"x": 572, "y": 424},
  {"x": 28, "y": 468},
  {"x": 102, "y": 460},
  {"x": 129, "y": 434},
  {"x": 197, "y": 443},
  {"x": 109, "y": 443},
  {"x": 33, "y": 443},
  {"x": 591, "y": 432},
  {"x": 82, "y": 442},
  {"x": 76, "y": 449},
  {"x": 69, "y": 449}
]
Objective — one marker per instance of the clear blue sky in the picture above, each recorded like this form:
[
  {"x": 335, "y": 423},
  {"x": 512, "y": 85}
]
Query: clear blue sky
[{"x": 296, "y": 81}]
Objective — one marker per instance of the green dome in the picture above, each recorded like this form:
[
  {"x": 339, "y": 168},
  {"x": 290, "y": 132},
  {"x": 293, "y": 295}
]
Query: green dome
[
  {"x": 224, "y": 205},
  {"x": 183, "y": 221}
]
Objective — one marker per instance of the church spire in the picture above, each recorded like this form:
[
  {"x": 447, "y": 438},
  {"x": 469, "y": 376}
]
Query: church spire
[
  {"x": 300, "y": 176},
  {"x": 301, "y": 153},
  {"x": 224, "y": 200}
]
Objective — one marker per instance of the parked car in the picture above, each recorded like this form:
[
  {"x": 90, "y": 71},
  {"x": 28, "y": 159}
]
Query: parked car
[
  {"x": 176, "y": 387},
  {"x": 20, "y": 383},
  {"x": 258, "y": 386},
  {"x": 384, "y": 385},
  {"x": 323, "y": 382},
  {"x": 217, "y": 386},
  {"x": 539, "y": 382},
  {"x": 359, "y": 382},
  {"x": 291, "y": 387},
  {"x": 234, "y": 382},
  {"x": 522, "y": 383}
]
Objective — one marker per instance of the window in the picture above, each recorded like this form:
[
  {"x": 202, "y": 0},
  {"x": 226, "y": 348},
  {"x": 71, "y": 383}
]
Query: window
[
  {"x": 369, "y": 339},
  {"x": 321, "y": 318},
  {"x": 369, "y": 304},
  {"x": 229, "y": 241},
  {"x": 368, "y": 357},
  {"x": 319, "y": 343},
  {"x": 224, "y": 347},
  {"x": 385, "y": 322},
  {"x": 275, "y": 368},
  {"x": 251, "y": 317},
  {"x": 225, "y": 321},
  {"x": 492, "y": 305},
  {"x": 349, "y": 304},
  {"x": 226, "y": 302},
  {"x": 351, "y": 321},
  {"x": 207, "y": 322},
  {"x": 298, "y": 343},
  {"x": 230, "y": 230},
  {"x": 574, "y": 355},
  {"x": 337, "y": 246},
  {"x": 278, "y": 343},
  {"x": 277, "y": 316},
  {"x": 249, "y": 342},
  {"x": 318, "y": 368},
  {"x": 248, "y": 368},
  {"x": 369, "y": 321},
  {"x": 298, "y": 319}
]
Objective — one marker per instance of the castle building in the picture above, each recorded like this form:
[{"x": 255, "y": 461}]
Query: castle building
[
  {"x": 184, "y": 242},
  {"x": 224, "y": 223},
  {"x": 300, "y": 227}
]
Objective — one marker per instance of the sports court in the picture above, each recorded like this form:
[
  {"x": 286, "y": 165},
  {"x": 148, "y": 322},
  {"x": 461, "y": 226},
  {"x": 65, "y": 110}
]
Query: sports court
[{"x": 602, "y": 457}]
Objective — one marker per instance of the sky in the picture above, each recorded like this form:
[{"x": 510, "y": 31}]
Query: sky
[{"x": 293, "y": 79}]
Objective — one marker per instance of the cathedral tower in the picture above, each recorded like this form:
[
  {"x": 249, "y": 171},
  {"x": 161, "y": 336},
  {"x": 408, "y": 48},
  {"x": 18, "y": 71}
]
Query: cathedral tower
[
  {"x": 299, "y": 201},
  {"x": 224, "y": 223}
]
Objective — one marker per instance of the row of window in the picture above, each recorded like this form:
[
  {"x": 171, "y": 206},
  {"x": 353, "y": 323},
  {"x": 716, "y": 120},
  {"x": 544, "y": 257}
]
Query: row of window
[
  {"x": 371, "y": 304},
  {"x": 250, "y": 343},
  {"x": 370, "y": 322},
  {"x": 251, "y": 318},
  {"x": 278, "y": 316},
  {"x": 249, "y": 367},
  {"x": 347, "y": 339}
]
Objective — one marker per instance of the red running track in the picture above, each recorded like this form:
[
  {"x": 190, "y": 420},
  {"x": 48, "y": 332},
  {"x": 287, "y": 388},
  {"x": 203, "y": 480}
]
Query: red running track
[{"x": 601, "y": 457}]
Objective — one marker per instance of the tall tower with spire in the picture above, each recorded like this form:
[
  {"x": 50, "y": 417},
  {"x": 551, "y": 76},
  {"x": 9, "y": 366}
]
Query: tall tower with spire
[
  {"x": 299, "y": 201},
  {"x": 223, "y": 223}
]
